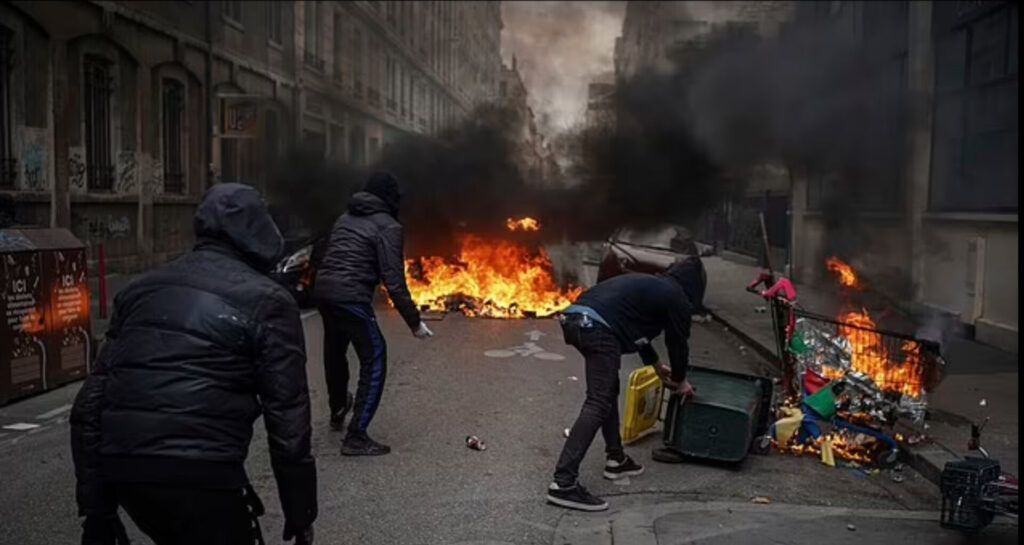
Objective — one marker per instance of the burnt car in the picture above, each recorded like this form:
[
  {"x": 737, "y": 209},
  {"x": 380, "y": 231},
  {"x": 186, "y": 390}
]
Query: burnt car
[
  {"x": 652, "y": 252},
  {"x": 646, "y": 251}
]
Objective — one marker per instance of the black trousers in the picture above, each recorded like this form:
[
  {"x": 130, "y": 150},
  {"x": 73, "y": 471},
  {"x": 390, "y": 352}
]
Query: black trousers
[
  {"x": 600, "y": 410},
  {"x": 354, "y": 324},
  {"x": 172, "y": 515}
]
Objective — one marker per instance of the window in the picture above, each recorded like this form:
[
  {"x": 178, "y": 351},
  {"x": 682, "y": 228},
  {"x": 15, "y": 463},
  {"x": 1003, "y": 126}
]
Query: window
[
  {"x": 173, "y": 132},
  {"x": 98, "y": 89},
  {"x": 339, "y": 46},
  {"x": 391, "y": 11},
  {"x": 975, "y": 134},
  {"x": 392, "y": 82},
  {"x": 275, "y": 22},
  {"x": 311, "y": 55},
  {"x": 232, "y": 12},
  {"x": 8, "y": 164},
  {"x": 357, "y": 63}
]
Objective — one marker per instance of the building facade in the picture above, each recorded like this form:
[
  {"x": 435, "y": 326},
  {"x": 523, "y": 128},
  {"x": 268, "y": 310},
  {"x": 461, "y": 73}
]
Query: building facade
[
  {"x": 115, "y": 117},
  {"x": 945, "y": 222},
  {"x": 530, "y": 146}
]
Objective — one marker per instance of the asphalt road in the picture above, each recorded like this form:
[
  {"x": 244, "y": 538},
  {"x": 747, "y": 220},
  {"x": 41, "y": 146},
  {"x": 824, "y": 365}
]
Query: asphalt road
[{"x": 432, "y": 489}]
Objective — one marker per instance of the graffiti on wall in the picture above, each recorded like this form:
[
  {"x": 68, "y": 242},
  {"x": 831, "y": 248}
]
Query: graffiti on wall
[
  {"x": 109, "y": 227},
  {"x": 35, "y": 160},
  {"x": 76, "y": 169},
  {"x": 157, "y": 179},
  {"x": 127, "y": 172}
]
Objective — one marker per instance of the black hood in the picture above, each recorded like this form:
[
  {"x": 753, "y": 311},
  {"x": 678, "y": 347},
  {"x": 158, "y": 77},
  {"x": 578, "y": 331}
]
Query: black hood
[
  {"x": 385, "y": 185},
  {"x": 364, "y": 204},
  {"x": 235, "y": 215},
  {"x": 689, "y": 273}
]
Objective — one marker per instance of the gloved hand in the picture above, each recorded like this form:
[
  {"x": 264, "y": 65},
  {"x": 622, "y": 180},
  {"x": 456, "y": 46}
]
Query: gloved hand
[
  {"x": 301, "y": 537},
  {"x": 104, "y": 530},
  {"x": 422, "y": 331}
]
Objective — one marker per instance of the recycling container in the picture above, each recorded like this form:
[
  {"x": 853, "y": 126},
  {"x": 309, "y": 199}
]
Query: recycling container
[
  {"x": 45, "y": 339},
  {"x": 723, "y": 417}
]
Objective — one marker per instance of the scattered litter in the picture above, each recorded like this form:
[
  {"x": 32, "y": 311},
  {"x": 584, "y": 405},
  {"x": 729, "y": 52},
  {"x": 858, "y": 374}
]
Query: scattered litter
[
  {"x": 897, "y": 477},
  {"x": 926, "y": 426},
  {"x": 622, "y": 482},
  {"x": 565, "y": 433},
  {"x": 21, "y": 426},
  {"x": 760, "y": 310},
  {"x": 475, "y": 443},
  {"x": 761, "y": 500},
  {"x": 915, "y": 439},
  {"x": 851, "y": 527},
  {"x": 573, "y": 378},
  {"x": 983, "y": 403}
]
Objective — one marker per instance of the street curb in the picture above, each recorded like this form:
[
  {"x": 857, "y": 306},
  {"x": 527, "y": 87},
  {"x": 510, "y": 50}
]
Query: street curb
[{"x": 929, "y": 460}]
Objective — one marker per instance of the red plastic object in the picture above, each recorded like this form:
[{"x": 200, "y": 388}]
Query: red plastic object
[{"x": 813, "y": 382}]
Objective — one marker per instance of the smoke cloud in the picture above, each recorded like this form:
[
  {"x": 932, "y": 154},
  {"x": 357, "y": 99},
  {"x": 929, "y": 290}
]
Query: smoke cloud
[{"x": 560, "y": 47}]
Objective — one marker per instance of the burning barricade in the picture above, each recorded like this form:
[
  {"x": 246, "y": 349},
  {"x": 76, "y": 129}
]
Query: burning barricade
[
  {"x": 490, "y": 278},
  {"x": 848, "y": 382}
]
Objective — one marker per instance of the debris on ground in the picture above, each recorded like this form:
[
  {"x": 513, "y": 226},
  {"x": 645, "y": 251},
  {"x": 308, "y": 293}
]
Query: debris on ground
[
  {"x": 565, "y": 433},
  {"x": 760, "y": 310},
  {"x": 851, "y": 527},
  {"x": 983, "y": 403},
  {"x": 622, "y": 482},
  {"x": 573, "y": 378},
  {"x": 475, "y": 443},
  {"x": 760, "y": 500}
]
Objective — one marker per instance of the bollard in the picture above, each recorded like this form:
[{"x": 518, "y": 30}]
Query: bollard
[{"x": 102, "y": 265}]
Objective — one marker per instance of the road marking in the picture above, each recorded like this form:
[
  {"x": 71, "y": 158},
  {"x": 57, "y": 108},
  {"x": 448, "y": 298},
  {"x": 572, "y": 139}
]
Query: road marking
[
  {"x": 526, "y": 350},
  {"x": 535, "y": 335},
  {"x": 21, "y": 426},
  {"x": 54, "y": 412}
]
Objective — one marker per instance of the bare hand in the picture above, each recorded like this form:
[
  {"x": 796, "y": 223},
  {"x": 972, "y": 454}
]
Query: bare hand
[
  {"x": 664, "y": 372},
  {"x": 685, "y": 389}
]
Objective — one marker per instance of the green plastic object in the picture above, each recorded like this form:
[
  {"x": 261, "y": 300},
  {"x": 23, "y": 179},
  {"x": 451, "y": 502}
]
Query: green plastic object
[
  {"x": 823, "y": 402},
  {"x": 720, "y": 422},
  {"x": 797, "y": 345}
]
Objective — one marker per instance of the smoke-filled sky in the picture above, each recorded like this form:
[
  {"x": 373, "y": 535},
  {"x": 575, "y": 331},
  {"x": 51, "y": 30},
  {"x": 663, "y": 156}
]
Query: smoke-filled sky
[{"x": 560, "y": 47}]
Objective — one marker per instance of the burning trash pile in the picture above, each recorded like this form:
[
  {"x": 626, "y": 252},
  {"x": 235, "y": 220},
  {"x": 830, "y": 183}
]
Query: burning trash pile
[
  {"x": 856, "y": 381},
  {"x": 490, "y": 278}
]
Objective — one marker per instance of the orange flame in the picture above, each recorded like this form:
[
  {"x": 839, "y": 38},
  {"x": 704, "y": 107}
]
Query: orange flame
[
  {"x": 893, "y": 370},
  {"x": 525, "y": 224},
  {"x": 846, "y": 275},
  {"x": 843, "y": 448},
  {"x": 498, "y": 279}
]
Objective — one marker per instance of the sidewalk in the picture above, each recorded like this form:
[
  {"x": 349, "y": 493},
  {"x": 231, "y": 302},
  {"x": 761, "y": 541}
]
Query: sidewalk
[{"x": 981, "y": 380}]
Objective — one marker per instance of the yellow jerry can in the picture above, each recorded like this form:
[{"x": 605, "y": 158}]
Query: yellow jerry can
[{"x": 643, "y": 403}]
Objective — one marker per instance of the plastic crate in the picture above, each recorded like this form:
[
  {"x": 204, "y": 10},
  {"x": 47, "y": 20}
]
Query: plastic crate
[{"x": 962, "y": 487}]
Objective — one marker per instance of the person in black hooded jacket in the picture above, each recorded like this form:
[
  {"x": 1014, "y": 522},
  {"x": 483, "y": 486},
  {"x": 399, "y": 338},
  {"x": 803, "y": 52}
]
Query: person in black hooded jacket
[
  {"x": 365, "y": 248},
  {"x": 622, "y": 315},
  {"x": 196, "y": 351}
]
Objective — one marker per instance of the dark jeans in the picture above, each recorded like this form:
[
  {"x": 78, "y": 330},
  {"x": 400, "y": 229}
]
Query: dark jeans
[
  {"x": 600, "y": 410},
  {"x": 172, "y": 515},
  {"x": 354, "y": 324}
]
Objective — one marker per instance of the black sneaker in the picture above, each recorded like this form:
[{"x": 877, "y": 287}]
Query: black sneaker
[
  {"x": 338, "y": 419},
  {"x": 626, "y": 468},
  {"x": 362, "y": 445},
  {"x": 575, "y": 497}
]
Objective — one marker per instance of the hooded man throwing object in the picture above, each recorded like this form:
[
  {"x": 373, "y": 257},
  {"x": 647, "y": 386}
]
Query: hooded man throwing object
[{"x": 365, "y": 248}]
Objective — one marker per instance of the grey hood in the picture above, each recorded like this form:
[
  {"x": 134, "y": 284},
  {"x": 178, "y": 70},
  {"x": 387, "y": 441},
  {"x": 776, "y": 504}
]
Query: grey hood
[
  {"x": 235, "y": 215},
  {"x": 365, "y": 204}
]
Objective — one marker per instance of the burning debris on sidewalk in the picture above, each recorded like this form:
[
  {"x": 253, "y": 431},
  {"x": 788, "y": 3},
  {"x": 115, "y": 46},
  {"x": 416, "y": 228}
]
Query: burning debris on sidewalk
[{"x": 857, "y": 381}]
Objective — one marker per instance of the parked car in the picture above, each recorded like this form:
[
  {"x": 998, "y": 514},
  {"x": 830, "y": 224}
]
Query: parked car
[
  {"x": 646, "y": 252},
  {"x": 651, "y": 252}
]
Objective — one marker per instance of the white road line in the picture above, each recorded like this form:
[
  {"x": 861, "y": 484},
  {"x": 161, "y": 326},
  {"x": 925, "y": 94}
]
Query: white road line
[
  {"x": 54, "y": 412},
  {"x": 21, "y": 426}
]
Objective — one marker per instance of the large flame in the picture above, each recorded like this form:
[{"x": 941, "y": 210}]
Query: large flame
[
  {"x": 493, "y": 278},
  {"x": 894, "y": 369}
]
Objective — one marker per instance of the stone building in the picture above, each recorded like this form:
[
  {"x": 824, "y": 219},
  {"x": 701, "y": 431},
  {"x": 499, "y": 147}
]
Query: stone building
[
  {"x": 115, "y": 117},
  {"x": 529, "y": 142},
  {"x": 944, "y": 222}
]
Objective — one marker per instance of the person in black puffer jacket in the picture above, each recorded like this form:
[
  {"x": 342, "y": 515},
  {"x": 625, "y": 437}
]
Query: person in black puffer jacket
[
  {"x": 196, "y": 351},
  {"x": 365, "y": 247}
]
